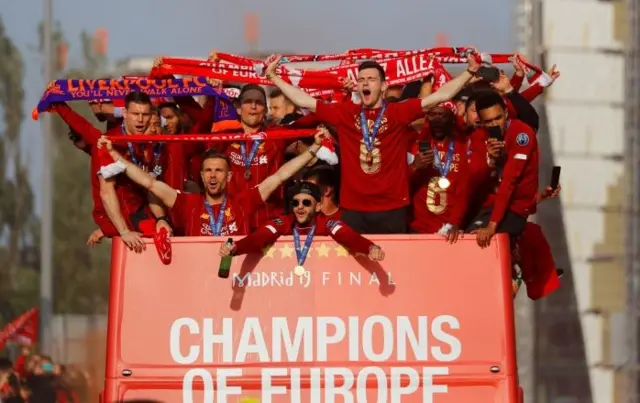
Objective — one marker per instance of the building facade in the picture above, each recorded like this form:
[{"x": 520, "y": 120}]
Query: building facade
[{"x": 580, "y": 350}]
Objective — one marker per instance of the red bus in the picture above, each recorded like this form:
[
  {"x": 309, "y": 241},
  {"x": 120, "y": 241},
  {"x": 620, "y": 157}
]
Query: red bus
[{"x": 432, "y": 323}]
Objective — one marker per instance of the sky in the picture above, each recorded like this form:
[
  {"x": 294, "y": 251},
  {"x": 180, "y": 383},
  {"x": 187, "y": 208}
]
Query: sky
[{"x": 193, "y": 28}]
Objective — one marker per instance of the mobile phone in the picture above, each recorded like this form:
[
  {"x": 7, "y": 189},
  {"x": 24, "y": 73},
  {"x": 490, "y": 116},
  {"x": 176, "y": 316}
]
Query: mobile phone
[
  {"x": 495, "y": 132},
  {"x": 424, "y": 146},
  {"x": 555, "y": 177},
  {"x": 490, "y": 74}
]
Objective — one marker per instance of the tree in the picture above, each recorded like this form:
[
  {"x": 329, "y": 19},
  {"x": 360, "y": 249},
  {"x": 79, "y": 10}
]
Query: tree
[
  {"x": 18, "y": 223},
  {"x": 81, "y": 274}
]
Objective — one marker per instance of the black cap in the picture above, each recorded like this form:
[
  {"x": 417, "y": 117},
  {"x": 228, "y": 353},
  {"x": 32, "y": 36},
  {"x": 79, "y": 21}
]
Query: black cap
[
  {"x": 307, "y": 188},
  {"x": 463, "y": 94}
]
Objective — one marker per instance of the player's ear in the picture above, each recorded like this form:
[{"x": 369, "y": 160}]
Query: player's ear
[{"x": 318, "y": 207}]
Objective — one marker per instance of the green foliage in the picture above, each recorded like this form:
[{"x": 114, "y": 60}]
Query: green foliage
[
  {"x": 81, "y": 277},
  {"x": 81, "y": 274},
  {"x": 17, "y": 219}
]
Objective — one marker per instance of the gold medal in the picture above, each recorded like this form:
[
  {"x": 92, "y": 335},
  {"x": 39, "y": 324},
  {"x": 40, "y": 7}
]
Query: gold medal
[
  {"x": 444, "y": 183},
  {"x": 247, "y": 174},
  {"x": 369, "y": 158},
  {"x": 299, "y": 270}
]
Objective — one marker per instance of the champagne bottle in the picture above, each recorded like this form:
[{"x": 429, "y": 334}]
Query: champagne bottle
[{"x": 225, "y": 262}]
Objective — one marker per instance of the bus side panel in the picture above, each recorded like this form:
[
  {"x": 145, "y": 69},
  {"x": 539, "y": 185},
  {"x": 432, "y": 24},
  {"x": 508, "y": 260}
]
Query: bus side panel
[{"x": 460, "y": 293}]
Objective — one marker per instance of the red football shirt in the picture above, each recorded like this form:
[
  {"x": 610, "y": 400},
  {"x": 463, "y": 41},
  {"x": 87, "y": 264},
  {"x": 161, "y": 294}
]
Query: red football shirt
[
  {"x": 283, "y": 225},
  {"x": 336, "y": 215},
  {"x": 190, "y": 215},
  {"x": 383, "y": 185},
  {"x": 433, "y": 206},
  {"x": 518, "y": 173},
  {"x": 268, "y": 158},
  {"x": 132, "y": 198}
]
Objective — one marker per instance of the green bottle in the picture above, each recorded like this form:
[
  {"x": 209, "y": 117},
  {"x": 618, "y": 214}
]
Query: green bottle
[{"x": 225, "y": 262}]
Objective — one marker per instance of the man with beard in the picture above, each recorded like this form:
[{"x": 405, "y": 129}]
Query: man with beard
[
  {"x": 306, "y": 220},
  {"x": 515, "y": 192},
  {"x": 252, "y": 161},
  {"x": 215, "y": 212},
  {"x": 119, "y": 205},
  {"x": 279, "y": 106},
  {"x": 373, "y": 144},
  {"x": 440, "y": 190}
]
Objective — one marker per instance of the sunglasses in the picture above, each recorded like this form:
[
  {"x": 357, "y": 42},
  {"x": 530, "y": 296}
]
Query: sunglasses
[{"x": 305, "y": 202}]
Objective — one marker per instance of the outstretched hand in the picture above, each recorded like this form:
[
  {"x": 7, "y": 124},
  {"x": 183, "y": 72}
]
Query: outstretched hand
[
  {"x": 272, "y": 63},
  {"x": 321, "y": 135},
  {"x": 104, "y": 142},
  {"x": 472, "y": 63}
]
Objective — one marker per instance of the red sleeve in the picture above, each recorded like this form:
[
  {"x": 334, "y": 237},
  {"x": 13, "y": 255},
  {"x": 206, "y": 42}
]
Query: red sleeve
[
  {"x": 19, "y": 365},
  {"x": 520, "y": 147},
  {"x": 347, "y": 237},
  {"x": 479, "y": 168},
  {"x": 461, "y": 195},
  {"x": 407, "y": 112},
  {"x": 532, "y": 92},
  {"x": 191, "y": 108},
  {"x": 181, "y": 208},
  {"x": 263, "y": 236},
  {"x": 329, "y": 113},
  {"x": 250, "y": 200},
  {"x": 77, "y": 123},
  {"x": 516, "y": 81}
]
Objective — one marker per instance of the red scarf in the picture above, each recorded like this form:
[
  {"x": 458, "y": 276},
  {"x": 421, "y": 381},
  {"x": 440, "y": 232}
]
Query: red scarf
[{"x": 401, "y": 67}]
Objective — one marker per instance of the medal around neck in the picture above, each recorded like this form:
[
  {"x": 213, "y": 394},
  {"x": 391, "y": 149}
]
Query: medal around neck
[
  {"x": 302, "y": 251},
  {"x": 444, "y": 183},
  {"x": 299, "y": 270},
  {"x": 247, "y": 174}
]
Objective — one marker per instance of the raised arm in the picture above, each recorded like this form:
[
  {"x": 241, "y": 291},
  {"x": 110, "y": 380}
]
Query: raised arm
[
  {"x": 165, "y": 193},
  {"x": 300, "y": 98},
  {"x": 289, "y": 169},
  {"x": 450, "y": 89}
]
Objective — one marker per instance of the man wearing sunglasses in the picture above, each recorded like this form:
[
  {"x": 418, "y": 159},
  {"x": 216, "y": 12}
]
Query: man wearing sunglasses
[
  {"x": 305, "y": 220},
  {"x": 215, "y": 212}
]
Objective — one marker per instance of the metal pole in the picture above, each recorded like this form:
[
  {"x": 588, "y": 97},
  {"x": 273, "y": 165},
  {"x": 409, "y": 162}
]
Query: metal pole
[{"x": 46, "y": 268}]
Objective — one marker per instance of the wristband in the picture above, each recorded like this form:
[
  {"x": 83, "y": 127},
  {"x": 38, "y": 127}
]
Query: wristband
[
  {"x": 125, "y": 232},
  {"x": 312, "y": 152},
  {"x": 163, "y": 218}
]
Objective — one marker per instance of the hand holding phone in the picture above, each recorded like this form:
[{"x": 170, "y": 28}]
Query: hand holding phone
[
  {"x": 424, "y": 146},
  {"x": 495, "y": 132},
  {"x": 555, "y": 177}
]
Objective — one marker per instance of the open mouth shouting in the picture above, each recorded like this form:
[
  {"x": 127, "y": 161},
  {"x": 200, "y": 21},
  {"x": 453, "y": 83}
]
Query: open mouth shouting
[
  {"x": 140, "y": 128},
  {"x": 366, "y": 96},
  {"x": 213, "y": 185}
]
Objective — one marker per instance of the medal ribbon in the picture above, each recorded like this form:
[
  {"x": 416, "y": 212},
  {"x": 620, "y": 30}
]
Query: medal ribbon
[
  {"x": 252, "y": 154},
  {"x": 157, "y": 151},
  {"x": 216, "y": 226},
  {"x": 132, "y": 149},
  {"x": 444, "y": 170},
  {"x": 369, "y": 138},
  {"x": 301, "y": 253}
]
